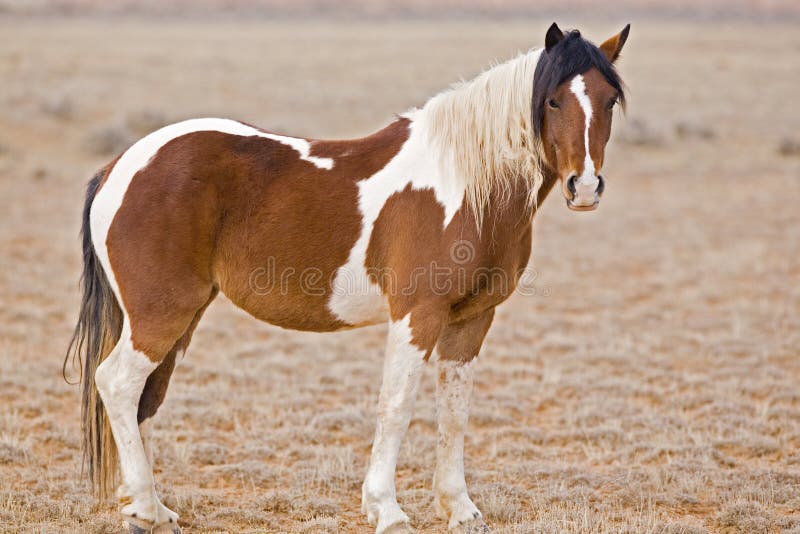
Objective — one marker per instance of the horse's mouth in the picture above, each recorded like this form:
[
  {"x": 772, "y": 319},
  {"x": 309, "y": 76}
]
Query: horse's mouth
[{"x": 583, "y": 207}]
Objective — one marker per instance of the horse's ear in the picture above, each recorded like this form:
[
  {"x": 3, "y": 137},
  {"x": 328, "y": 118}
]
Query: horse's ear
[
  {"x": 553, "y": 37},
  {"x": 613, "y": 45}
]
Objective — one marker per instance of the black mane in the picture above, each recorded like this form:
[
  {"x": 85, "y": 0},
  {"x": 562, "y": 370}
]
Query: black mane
[{"x": 572, "y": 55}]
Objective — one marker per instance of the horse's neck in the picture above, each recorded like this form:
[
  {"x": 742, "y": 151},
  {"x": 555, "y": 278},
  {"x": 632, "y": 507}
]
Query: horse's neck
[
  {"x": 509, "y": 208},
  {"x": 516, "y": 210},
  {"x": 548, "y": 182}
]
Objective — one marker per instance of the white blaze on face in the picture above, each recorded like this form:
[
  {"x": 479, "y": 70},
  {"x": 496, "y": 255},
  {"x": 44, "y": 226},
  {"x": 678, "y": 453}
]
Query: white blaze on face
[{"x": 587, "y": 182}]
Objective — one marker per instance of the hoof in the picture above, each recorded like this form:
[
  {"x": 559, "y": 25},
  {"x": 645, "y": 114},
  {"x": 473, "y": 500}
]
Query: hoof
[
  {"x": 474, "y": 526},
  {"x": 399, "y": 528},
  {"x": 163, "y": 529},
  {"x": 143, "y": 527}
]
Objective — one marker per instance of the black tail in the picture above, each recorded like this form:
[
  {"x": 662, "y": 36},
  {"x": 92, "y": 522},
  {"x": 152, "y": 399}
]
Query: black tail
[{"x": 98, "y": 329}]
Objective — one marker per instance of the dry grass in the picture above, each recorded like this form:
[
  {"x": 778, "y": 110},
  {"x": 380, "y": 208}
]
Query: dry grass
[{"x": 650, "y": 386}]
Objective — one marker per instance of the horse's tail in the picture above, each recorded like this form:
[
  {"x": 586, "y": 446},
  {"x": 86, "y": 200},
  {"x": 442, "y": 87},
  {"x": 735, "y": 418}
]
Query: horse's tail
[{"x": 98, "y": 329}]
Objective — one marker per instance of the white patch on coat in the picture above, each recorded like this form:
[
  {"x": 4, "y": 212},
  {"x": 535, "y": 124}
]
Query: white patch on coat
[
  {"x": 453, "y": 392},
  {"x": 303, "y": 147},
  {"x": 401, "y": 373},
  {"x": 109, "y": 197},
  {"x": 578, "y": 87},
  {"x": 355, "y": 298}
]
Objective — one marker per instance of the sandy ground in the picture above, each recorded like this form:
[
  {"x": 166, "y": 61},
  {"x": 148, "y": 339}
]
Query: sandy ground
[
  {"x": 708, "y": 10},
  {"x": 650, "y": 385}
]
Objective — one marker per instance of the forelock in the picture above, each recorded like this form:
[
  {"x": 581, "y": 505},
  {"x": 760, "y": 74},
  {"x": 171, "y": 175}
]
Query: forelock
[{"x": 573, "y": 55}]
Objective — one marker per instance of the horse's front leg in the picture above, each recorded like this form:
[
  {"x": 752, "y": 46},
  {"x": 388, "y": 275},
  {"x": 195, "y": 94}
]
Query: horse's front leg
[
  {"x": 410, "y": 341},
  {"x": 458, "y": 346}
]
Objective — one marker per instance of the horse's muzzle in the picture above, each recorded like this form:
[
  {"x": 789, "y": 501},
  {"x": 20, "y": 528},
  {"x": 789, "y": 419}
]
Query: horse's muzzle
[{"x": 584, "y": 196}]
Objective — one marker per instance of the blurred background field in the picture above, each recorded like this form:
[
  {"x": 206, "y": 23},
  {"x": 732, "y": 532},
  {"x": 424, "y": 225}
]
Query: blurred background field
[{"x": 652, "y": 384}]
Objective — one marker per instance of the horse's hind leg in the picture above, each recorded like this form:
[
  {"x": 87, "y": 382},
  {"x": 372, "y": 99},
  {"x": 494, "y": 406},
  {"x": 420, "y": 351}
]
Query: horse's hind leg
[
  {"x": 120, "y": 381},
  {"x": 135, "y": 375}
]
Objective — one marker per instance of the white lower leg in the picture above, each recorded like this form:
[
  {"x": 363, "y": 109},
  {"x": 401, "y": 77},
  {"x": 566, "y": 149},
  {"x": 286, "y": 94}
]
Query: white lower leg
[
  {"x": 120, "y": 380},
  {"x": 453, "y": 391},
  {"x": 401, "y": 373}
]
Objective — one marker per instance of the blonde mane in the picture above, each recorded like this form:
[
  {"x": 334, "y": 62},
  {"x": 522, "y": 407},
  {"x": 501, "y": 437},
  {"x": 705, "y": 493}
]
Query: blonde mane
[{"x": 484, "y": 130}]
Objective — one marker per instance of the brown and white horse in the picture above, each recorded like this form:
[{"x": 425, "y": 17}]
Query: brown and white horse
[{"x": 401, "y": 226}]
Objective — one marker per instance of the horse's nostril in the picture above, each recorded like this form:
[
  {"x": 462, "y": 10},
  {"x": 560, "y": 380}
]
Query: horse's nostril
[
  {"x": 571, "y": 185},
  {"x": 601, "y": 186}
]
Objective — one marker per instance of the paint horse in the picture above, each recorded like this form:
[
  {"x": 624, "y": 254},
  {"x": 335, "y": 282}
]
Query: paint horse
[{"x": 207, "y": 205}]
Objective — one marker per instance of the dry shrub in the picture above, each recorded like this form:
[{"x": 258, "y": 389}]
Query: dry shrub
[
  {"x": 258, "y": 453},
  {"x": 688, "y": 130},
  {"x": 39, "y": 174},
  {"x": 109, "y": 140},
  {"x": 209, "y": 454},
  {"x": 346, "y": 420},
  {"x": 277, "y": 502},
  {"x": 334, "y": 470},
  {"x": 638, "y": 132},
  {"x": 245, "y": 516},
  {"x": 321, "y": 525},
  {"x": 60, "y": 107},
  {"x": 114, "y": 138},
  {"x": 144, "y": 121},
  {"x": 680, "y": 527},
  {"x": 789, "y": 147},
  {"x": 249, "y": 473},
  {"x": 500, "y": 502},
  {"x": 9, "y": 453},
  {"x": 746, "y": 517},
  {"x": 14, "y": 446},
  {"x": 314, "y": 506}
]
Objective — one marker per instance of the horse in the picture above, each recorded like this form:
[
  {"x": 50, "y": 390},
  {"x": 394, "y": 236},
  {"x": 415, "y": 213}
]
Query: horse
[{"x": 425, "y": 225}]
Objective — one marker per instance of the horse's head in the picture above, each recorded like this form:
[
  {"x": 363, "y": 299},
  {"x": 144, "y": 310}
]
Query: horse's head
[{"x": 575, "y": 89}]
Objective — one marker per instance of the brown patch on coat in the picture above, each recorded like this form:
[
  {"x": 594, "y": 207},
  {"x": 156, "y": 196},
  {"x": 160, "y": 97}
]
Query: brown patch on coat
[
  {"x": 359, "y": 159},
  {"x": 159, "y": 244},
  {"x": 405, "y": 249}
]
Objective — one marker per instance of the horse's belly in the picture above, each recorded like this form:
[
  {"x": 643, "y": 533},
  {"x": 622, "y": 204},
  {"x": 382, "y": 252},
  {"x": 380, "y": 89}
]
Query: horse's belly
[
  {"x": 356, "y": 300},
  {"x": 307, "y": 299}
]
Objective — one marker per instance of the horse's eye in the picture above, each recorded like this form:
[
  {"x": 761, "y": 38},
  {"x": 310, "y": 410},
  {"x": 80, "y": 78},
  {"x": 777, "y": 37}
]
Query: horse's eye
[
  {"x": 552, "y": 104},
  {"x": 611, "y": 104}
]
